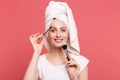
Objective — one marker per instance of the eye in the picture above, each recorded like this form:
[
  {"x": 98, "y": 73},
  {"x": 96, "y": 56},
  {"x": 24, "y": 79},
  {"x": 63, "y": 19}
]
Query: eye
[
  {"x": 52, "y": 30},
  {"x": 63, "y": 30}
]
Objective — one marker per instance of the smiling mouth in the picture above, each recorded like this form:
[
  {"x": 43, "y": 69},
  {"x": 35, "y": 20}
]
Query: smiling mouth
[{"x": 58, "y": 40}]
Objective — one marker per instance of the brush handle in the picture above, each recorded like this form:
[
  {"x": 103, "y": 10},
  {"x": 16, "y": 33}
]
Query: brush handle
[
  {"x": 46, "y": 31},
  {"x": 68, "y": 58}
]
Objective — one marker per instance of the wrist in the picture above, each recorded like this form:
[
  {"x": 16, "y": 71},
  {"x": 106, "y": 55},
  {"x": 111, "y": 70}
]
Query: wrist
[
  {"x": 75, "y": 77},
  {"x": 36, "y": 53}
]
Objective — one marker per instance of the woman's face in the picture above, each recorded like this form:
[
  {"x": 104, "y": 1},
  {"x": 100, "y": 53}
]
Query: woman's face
[{"x": 58, "y": 34}]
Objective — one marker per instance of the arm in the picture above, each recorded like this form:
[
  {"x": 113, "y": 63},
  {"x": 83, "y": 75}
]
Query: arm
[
  {"x": 73, "y": 70},
  {"x": 32, "y": 71},
  {"x": 84, "y": 74}
]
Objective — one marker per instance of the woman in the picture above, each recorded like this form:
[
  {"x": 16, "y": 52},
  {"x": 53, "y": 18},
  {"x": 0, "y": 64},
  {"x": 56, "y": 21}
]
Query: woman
[{"x": 53, "y": 65}]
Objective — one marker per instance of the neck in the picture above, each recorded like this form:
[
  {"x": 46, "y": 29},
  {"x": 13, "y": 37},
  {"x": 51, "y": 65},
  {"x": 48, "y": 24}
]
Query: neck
[
  {"x": 56, "y": 56},
  {"x": 56, "y": 52}
]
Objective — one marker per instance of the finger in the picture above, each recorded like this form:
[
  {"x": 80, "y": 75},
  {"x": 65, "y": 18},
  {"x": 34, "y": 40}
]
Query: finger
[
  {"x": 31, "y": 36},
  {"x": 36, "y": 34},
  {"x": 72, "y": 62},
  {"x": 42, "y": 42},
  {"x": 71, "y": 59},
  {"x": 39, "y": 37}
]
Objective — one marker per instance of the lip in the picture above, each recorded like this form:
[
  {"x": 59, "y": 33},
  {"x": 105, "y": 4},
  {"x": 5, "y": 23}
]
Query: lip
[{"x": 58, "y": 40}]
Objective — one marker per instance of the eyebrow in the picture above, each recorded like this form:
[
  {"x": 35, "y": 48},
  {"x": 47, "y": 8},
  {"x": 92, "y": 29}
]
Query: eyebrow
[
  {"x": 55, "y": 27},
  {"x": 52, "y": 26},
  {"x": 47, "y": 31}
]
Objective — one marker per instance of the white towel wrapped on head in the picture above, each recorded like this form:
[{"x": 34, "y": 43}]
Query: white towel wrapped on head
[{"x": 61, "y": 10}]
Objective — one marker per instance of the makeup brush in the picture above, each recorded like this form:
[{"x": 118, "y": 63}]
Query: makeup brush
[
  {"x": 64, "y": 46},
  {"x": 46, "y": 31}
]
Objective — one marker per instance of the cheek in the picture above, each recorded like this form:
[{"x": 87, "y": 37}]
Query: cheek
[
  {"x": 67, "y": 37},
  {"x": 49, "y": 39},
  {"x": 50, "y": 36}
]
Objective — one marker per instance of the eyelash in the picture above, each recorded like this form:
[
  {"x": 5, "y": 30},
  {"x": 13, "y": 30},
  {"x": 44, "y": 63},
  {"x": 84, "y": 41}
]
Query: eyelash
[
  {"x": 63, "y": 30},
  {"x": 52, "y": 30}
]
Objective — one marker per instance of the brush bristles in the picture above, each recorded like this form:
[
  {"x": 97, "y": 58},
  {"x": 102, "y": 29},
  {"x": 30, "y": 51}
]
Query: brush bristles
[{"x": 64, "y": 46}]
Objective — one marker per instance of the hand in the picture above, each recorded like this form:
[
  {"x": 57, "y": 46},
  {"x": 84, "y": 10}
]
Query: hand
[
  {"x": 37, "y": 42},
  {"x": 73, "y": 69}
]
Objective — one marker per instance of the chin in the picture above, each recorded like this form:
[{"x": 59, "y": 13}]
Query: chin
[{"x": 58, "y": 46}]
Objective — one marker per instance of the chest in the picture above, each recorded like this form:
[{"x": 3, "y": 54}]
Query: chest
[{"x": 50, "y": 72}]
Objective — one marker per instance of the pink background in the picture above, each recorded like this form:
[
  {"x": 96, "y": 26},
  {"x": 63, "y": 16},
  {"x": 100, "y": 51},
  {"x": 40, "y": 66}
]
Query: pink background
[{"x": 98, "y": 23}]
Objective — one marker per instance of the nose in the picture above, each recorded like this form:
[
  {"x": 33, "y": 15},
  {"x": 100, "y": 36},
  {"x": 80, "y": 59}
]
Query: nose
[{"x": 58, "y": 34}]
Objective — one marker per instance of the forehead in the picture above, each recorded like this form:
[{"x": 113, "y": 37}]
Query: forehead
[{"x": 58, "y": 23}]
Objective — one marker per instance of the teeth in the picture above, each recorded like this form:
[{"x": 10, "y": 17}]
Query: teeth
[{"x": 58, "y": 40}]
